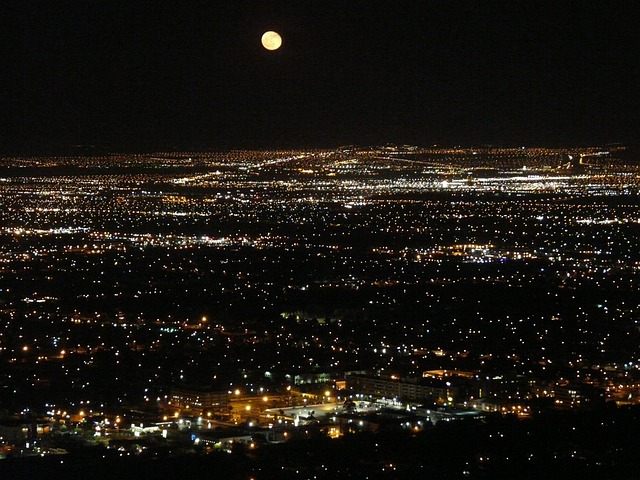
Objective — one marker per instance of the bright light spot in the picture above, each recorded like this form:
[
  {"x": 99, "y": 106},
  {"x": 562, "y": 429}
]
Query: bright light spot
[{"x": 271, "y": 40}]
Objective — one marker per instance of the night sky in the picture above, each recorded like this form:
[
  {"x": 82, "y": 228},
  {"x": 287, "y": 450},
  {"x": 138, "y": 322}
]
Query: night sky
[{"x": 135, "y": 75}]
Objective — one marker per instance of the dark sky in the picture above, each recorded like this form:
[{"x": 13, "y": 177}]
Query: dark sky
[{"x": 141, "y": 75}]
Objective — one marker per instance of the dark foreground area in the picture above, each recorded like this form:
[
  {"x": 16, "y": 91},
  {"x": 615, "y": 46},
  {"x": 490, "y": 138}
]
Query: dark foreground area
[{"x": 600, "y": 444}]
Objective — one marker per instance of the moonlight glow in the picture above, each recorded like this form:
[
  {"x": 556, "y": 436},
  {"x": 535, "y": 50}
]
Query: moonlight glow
[{"x": 271, "y": 40}]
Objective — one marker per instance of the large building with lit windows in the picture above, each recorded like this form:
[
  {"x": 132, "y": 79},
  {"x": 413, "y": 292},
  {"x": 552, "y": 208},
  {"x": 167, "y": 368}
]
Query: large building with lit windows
[
  {"x": 198, "y": 399},
  {"x": 404, "y": 389}
]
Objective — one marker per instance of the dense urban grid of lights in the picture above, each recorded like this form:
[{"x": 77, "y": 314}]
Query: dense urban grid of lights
[{"x": 476, "y": 279}]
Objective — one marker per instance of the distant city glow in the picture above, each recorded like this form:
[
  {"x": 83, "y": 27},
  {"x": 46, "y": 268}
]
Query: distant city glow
[{"x": 211, "y": 297}]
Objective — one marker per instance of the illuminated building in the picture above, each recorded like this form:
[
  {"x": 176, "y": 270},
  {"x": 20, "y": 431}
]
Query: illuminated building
[
  {"x": 410, "y": 389},
  {"x": 198, "y": 399}
]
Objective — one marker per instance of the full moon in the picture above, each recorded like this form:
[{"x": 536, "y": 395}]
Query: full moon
[{"x": 271, "y": 40}]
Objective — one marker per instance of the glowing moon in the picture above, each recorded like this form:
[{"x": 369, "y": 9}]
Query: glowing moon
[{"x": 271, "y": 40}]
